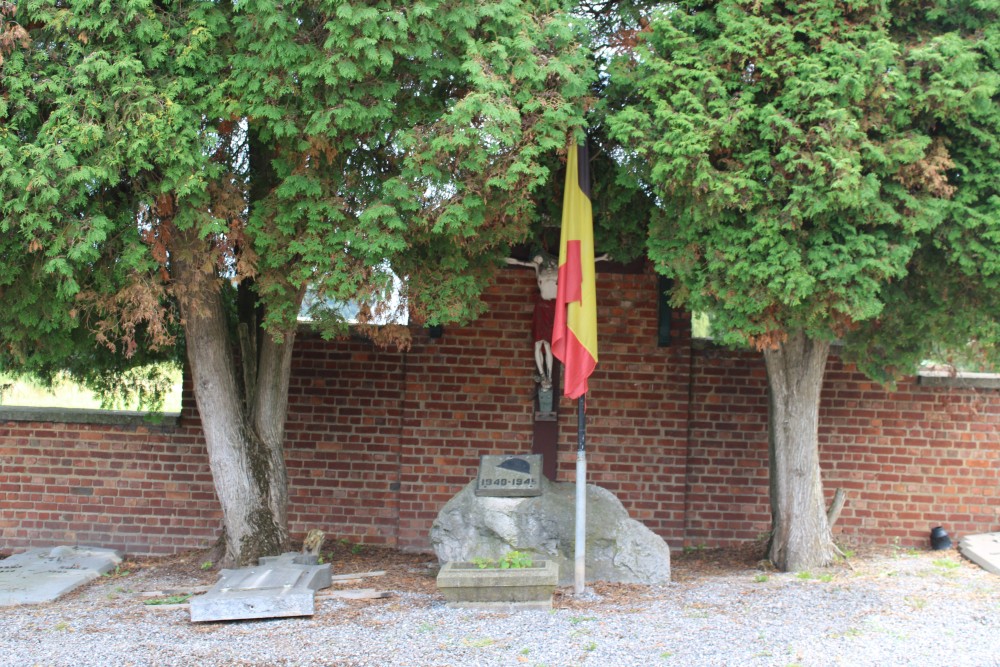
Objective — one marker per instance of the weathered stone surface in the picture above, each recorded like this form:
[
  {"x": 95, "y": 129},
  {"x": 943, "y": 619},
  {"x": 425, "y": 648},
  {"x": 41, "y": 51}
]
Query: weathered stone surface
[
  {"x": 983, "y": 550},
  {"x": 618, "y": 547},
  {"x": 467, "y": 586},
  {"x": 279, "y": 586},
  {"x": 42, "y": 575}
]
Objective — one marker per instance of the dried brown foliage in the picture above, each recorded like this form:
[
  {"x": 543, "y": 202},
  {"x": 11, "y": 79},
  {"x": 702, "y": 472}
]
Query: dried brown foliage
[{"x": 931, "y": 173}]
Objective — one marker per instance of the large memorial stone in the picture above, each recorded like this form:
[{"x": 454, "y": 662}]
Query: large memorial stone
[
  {"x": 280, "y": 586},
  {"x": 43, "y": 575},
  {"x": 619, "y": 548}
]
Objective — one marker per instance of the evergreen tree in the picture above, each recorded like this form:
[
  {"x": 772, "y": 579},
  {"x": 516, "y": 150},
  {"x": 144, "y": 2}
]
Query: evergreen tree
[
  {"x": 186, "y": 171},
  {"x": 823, "y": 170}
]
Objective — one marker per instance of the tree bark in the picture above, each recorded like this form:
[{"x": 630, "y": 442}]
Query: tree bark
[
  {"x": 801, "y": 536},
  {"x": 244, "y": 432}
]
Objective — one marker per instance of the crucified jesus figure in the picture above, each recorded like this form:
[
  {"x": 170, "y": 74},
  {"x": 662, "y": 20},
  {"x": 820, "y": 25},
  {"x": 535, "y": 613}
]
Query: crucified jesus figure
[{"x": 547, "y": 272}]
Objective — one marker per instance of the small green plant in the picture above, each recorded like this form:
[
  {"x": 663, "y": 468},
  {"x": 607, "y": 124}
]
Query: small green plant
[
  {"x": 207, "y": 565},
  {"x": 946, "y": 564},
  {"x": 697, "y": 610},
  {"x": 357, "y": 549},
  {"x": 694, "y": 549},
  {"x": 761, "y": 578},
  {"x": 512, "y": 560},
  {"x": 577, "y": 620},
  {"x": 895, "y": 546},
  {"x": 805, "y": 575},
  {"x": 170, "y": 599},
  {"x": 62, "y": 626},
  {"x": 916, "y": 601},
  {"x": 525, "y": 651},
  {"x": 120, "y": 571},
  {"x": 590, "y": 646},
  {"x": 666, "y": 655},
  {"x": 477, "y": 642}
]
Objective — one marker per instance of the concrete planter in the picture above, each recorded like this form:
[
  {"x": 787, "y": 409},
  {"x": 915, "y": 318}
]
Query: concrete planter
[{"x": 469, "y": 586}]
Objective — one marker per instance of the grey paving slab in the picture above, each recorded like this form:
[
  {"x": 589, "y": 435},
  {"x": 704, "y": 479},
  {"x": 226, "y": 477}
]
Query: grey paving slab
[
  {"x": 45, "y": 574},
  {"x": 279, "y": 586},
  {"x": 982, "y": 549}
]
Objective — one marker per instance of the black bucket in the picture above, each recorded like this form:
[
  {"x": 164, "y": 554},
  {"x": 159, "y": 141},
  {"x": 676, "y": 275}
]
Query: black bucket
[{"x": 939, "y": 539}]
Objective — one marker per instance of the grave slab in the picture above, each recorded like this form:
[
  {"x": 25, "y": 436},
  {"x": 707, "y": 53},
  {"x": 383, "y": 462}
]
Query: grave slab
[
  {"x": 280, "y": 586},
  {"x": 45, "y": 574},
  {"x": 983, "y": 550}
]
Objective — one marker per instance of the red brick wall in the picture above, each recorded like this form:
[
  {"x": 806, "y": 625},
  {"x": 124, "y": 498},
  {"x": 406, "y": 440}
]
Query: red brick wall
[
  {"x": 142, "y": 489},
  {"x": 344, "y": 422},
  {"x": 909, "y": 459},
  {"x": 379, "y": 440},
  {"x": 727, "y": 492}
]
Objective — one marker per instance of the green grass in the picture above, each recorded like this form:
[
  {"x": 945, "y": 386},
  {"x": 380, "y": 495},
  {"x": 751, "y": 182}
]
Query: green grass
[
  {"x": 67, "y": 394},
  {"x": 170, "y": 599},
  {"x": 477, "y": 642},
  {"x": 946, "y": 564}
]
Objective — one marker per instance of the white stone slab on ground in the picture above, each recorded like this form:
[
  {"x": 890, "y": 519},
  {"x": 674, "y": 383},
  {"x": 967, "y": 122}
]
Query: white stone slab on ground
[
  {"x": 43, "y": 575},
  {"x": 280, "y": 586},
  {"x": 983, "y": 550}
]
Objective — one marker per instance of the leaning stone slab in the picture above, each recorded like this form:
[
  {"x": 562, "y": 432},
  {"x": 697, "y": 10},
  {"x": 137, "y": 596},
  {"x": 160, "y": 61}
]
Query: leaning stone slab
[
  {"x": 983, "y": 550},
  {"x": 279, "y": 586},
  {"x": 43, "y": 575}
]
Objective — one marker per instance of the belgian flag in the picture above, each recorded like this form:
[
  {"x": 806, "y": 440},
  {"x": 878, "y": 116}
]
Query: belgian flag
[{"x": 574, "y": 335}]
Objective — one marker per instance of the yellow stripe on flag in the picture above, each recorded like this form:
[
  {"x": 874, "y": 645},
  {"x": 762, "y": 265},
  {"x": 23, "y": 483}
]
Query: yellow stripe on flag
[{"x": 574, "y": 336}]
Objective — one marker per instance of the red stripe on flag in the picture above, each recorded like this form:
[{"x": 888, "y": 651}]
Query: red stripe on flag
[
  {"x": 574, "y": 334},
  {"x": 579, "y": 364},
  {"x": 572, "y": 272}
]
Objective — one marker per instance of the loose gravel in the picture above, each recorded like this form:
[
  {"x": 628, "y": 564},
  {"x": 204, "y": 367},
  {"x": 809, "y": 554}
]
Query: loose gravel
[{"x": 929, "y": 608}]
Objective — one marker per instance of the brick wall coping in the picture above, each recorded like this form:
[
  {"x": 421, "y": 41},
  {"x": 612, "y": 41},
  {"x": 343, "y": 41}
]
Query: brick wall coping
[
  {"x": 959, "y": 379},
  {"x": 9, "y": 413}
]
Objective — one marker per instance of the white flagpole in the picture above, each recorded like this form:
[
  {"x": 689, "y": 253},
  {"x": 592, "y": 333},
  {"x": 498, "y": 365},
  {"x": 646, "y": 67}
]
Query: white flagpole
[{"x": 580, "y": 561}]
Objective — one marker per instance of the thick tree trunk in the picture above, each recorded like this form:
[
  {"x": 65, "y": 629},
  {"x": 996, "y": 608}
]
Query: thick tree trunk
[
  {"x": 244, "y": 433},
  {"x": 801, "y": 536}
]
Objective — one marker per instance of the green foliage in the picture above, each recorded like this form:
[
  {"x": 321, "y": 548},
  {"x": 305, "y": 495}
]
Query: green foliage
[
  {"x": 309, "y": 143},
  {"x": 512, "y": 560},
  {"x": 822, "y": 167},
  {"x": 170, "y": 599}
]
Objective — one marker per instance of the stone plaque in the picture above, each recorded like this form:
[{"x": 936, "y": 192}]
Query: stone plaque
[{"x": 510, "y": 476}]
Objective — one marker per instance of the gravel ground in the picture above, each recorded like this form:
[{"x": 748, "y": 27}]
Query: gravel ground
[{"x": 895, "y": 608}]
